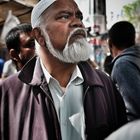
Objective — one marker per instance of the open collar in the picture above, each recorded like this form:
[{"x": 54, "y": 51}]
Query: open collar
[{"x": 32, "y": 73}]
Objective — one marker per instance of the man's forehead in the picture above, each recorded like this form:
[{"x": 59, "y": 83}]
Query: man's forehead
[{"x": 41, "y": 6}]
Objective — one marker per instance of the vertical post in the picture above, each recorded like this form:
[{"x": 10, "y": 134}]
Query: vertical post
[{"x": 91, "y": 13}]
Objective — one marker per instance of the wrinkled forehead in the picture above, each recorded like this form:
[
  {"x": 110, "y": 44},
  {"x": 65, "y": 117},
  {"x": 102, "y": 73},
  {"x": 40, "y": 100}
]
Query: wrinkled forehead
[{"x": 44, "y": 6}]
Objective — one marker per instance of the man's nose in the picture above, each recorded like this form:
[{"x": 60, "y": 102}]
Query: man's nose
[{"x": 76, "y": 22}]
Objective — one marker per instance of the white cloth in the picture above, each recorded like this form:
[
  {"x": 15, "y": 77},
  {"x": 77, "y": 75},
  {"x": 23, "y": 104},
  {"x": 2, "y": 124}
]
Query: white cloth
[
  {"x": 78, "y": 122},
  {"x": 38, "y": 9},
  {"x": 9, "y": 68},
  {"x": 69, "y": 105}
]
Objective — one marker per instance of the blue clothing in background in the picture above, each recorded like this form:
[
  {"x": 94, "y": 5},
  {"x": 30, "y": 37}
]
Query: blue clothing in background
[
  {"x": 126, "y": 75},
  {"x": 1, "y": 65}
]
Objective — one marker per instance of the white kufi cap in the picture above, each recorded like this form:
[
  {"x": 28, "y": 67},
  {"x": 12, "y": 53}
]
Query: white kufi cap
[{"x": 39, "y": 8}]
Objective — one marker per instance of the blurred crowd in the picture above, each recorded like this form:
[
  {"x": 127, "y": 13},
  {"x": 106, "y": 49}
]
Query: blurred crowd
[{"x": 100, "y": 58}]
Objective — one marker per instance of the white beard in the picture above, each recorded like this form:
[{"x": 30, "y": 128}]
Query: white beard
[{"x": 79, "y": 50}]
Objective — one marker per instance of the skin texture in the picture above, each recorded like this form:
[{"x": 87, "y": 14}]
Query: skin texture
[
  {"x": 27, "y": 50},
  {"x": 62, "y": 21},
  {"x": 114, "y": 51},
  {"x": 65, "y": 17}
]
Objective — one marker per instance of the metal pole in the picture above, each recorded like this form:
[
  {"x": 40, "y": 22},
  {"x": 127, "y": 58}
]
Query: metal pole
[{"x": 91, "y": 13}]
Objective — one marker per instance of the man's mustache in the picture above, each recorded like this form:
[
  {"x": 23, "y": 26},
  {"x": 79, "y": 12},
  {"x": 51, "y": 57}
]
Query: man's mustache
[
  {"x": 77, "y": 34},
  {"x": 79, "y": 31}
]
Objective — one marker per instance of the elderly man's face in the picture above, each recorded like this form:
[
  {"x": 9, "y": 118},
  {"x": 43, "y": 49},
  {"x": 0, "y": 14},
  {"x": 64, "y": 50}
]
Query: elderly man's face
[{"x": 60, "y": 19}]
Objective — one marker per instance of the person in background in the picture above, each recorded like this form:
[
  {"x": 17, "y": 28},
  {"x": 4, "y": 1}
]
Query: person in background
[
  {"x": 91, "y": 59},
  {"x": 106, "y": 55},
  {"x": 108, "y": 64},
  {"x": 1, "y": 65},
  {"x": 126, "y": 65},
  {"x": 9, "y": 68},
  {"x": 57, "y": 95},
  {"x": 21, "y": 48},
  {"x": 104, "y": 49}
]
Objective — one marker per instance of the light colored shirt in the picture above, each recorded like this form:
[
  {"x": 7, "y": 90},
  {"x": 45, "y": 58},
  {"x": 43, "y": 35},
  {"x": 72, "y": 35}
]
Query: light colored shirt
[
  {"x": 9, "y": 68},
  {"x": 69, "y": 105}
]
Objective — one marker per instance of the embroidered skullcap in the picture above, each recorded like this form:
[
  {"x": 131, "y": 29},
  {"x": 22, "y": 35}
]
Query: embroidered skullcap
[{"x": 38, "y": 9}]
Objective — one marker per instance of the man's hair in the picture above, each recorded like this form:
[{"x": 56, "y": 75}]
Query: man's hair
[
  {"x": 122, "y": 34},
  {"x": 12, "y": 39}
]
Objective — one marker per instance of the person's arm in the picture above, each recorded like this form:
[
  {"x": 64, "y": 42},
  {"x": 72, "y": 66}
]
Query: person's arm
[{"x": 127, "y": 78}]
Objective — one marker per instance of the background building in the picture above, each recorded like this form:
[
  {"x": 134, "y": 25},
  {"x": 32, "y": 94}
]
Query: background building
[
  {"x": 114, "y": 10},
  {"x": 94, "y": 12}
]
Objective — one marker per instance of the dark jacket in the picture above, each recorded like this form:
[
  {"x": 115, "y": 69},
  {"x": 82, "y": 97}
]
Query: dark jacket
[
  {"x": 28, "y": 112},
  {"x": 126, "y": 75}
]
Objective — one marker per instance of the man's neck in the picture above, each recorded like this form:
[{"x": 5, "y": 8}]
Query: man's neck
[
  {"x": 59, "y": 70},
  {"x": 116, "y": 52}
]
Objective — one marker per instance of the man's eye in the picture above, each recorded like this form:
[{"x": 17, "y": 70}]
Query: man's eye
[
  {"x": 80, "y": 17},
  {"x": 64, "y": 17}
]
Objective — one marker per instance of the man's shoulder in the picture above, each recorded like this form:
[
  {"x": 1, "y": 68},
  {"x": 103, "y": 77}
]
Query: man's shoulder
[
  {"x": 95, "y": 76},
  {"x": 11, "y": 81},
  {"x": 103, "y": 76}
]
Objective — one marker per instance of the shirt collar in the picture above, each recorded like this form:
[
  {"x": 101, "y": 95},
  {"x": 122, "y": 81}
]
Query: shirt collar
[
  {"x": 36, "y": 77},
  {"x": 46, "y": 73},
  {"x": 77, "y": 75}
]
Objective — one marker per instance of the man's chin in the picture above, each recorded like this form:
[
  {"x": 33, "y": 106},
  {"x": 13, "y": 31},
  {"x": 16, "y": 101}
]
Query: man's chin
[{"x": 77, "y": 51}]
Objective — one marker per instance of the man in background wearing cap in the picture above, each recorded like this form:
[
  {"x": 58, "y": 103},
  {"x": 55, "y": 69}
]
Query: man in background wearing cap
[{"x": 58, "y": 95}]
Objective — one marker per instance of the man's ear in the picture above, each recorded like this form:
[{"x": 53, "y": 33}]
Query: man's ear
[
  {"x": 110, "y": 43},
  {"x": 111, "y": 47},
  {"x": 37, "y": 34},
  {"x": 14, "y": 55}
]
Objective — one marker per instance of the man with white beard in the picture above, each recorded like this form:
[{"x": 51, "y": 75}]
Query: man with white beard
[{"x": 58, "y": 95}]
